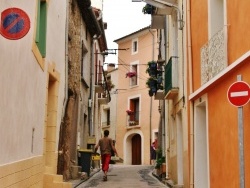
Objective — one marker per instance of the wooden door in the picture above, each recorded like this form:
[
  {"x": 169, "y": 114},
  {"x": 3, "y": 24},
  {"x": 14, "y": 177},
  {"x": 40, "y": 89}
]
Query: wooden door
[{"x": 136, "y": 150}]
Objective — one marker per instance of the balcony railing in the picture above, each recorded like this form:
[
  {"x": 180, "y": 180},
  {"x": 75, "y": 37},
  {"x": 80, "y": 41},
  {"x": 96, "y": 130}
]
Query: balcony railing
[
  {"x": 106, "y": 124},
  {"x": 133, "y": 119},
  {"x": 171, "y": 78},
  {"x": 102, "y": 85},
  {"x": 213, "y": 56}
]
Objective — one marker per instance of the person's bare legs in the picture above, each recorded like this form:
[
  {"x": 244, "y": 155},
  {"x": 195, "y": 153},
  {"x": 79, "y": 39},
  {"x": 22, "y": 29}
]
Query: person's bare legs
[{"x": 105, "y": 176}]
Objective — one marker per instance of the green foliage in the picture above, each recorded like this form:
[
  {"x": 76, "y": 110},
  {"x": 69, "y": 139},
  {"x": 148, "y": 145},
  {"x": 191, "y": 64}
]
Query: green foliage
[
  {"x": 159, "y": 159},
  {"x": 148, "y": 9}
]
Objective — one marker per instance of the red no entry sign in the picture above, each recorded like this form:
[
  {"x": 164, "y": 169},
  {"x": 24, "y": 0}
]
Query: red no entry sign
[
  {"x": 15, "y": 23},
  {"x": 239, "y": 93}
]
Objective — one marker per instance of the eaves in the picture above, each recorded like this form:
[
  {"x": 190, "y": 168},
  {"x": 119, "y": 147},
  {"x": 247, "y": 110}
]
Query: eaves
[
  {"x": 132, "y": 35},
  {"x": 89, "y": 17}
]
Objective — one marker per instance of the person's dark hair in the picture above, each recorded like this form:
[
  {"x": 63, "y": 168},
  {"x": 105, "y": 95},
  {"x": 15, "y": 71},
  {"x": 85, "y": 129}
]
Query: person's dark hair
[{"x": 106, "y": 133}]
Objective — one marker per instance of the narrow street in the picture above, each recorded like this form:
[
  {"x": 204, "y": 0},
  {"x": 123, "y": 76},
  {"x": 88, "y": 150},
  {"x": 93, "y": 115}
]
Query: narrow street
[{"x": 127, "y": 176}]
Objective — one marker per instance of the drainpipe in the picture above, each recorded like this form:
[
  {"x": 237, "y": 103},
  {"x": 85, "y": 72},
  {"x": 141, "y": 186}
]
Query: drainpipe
[
  {"x": 166, "y": 35},
  {"x": 91, "y": 94},
  {"x": 66, "y": 61},
  {"x": 191, "y": 180},
  {"x": 151, "y": 100}
]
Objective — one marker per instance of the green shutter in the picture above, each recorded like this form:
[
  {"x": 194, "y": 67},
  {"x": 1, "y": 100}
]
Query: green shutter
[
  {"x": 168, "y": 76},
  {"x": 41, "y": 27},
  {"x": 38, "y": 21}
]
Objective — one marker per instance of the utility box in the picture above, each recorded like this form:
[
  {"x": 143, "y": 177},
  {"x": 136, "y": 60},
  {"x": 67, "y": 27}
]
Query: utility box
[{"x": 85, "y": 159}]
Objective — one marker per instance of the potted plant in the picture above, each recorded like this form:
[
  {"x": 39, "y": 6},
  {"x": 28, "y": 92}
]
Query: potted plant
[
  {"x": 129, "y": 112},
  {"x": 160, "y": 160},
  {"x": 151, "y": 82},
  {"x": 130, "y": 74},
  {"x": 109, "y": 85},
  {"x": 148, "y": 9},
  {"x": 152, "y": 69}
]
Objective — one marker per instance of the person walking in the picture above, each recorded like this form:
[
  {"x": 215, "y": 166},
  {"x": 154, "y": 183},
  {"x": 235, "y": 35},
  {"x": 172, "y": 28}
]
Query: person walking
[
  {"x": 106, "y": 146},
  {"x": 153, "y": 153}
]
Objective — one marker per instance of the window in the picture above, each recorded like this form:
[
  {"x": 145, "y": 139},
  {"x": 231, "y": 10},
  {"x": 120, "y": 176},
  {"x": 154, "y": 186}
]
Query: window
[
  {"x": 134, "y": 79},
  {"x": 84, "y": 52},
  {"x": 134, "y": 46},
  {"x": 41, "y": 27},
  {"x": 134, "y": 116},
  {"x": 106, "y": 118},
  {"x": 215, "y": 16}
]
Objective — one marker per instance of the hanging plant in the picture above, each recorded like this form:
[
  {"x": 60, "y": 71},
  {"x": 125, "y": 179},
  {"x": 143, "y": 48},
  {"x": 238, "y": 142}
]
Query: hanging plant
[
  {"x": 129, "y": 112},
  {"x": 148, "y": 9},
  {"x": 151, "y": 82},
  {"x": 152, "y": 69},
  {"x": 109, "y": 85},
  {"x": 130, "y": 74}
]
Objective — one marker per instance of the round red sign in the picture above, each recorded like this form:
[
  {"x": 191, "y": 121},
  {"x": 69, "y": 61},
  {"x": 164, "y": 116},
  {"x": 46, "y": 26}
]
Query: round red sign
[
  {"x": 238, "y": 93},
  {"x": 15, "y": 23}
]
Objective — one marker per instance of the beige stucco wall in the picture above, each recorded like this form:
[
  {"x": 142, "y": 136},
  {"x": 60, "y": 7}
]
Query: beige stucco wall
[{"x": 126, "y": 92}]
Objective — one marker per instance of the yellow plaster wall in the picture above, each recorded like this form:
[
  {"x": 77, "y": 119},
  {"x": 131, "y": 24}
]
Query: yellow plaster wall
[{"x": 26, "y": 173}]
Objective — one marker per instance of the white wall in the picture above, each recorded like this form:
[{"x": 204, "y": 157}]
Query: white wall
[{"x": 23, "y": 82}]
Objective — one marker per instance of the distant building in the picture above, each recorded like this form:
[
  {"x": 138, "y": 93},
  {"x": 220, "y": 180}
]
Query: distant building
[{"x": 137, "y": 116}]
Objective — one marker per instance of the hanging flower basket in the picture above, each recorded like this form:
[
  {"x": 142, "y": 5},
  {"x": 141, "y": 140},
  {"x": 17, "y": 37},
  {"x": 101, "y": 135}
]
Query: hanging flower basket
[
  {"x": 130, "y": 74},
  {"x": 129, "y": 112},
  {"x": 148, "y": 9}
]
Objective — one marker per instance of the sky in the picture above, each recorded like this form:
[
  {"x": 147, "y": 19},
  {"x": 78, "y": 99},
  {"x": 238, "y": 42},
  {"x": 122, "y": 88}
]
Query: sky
[{"x": 123, "y": 17}]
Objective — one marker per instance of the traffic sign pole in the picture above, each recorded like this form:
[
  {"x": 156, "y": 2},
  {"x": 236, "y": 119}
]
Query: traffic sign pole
[{"x": 241, "y": 143}]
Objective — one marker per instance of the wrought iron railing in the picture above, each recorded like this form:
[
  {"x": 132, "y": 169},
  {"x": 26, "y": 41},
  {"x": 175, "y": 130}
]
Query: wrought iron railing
[
  {"x": 133, "y": 119},
  {"x": 106, "y": 124}
]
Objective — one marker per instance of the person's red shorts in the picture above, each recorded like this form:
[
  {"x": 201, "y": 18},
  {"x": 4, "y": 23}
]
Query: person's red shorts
[{"x": 105, "y": 162}]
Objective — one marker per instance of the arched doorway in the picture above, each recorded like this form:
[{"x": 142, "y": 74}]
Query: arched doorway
[{"x": 136, "y": 149}]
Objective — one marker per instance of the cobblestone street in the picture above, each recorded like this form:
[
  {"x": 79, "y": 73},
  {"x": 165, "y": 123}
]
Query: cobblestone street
[{"x": 125, "y": 176}]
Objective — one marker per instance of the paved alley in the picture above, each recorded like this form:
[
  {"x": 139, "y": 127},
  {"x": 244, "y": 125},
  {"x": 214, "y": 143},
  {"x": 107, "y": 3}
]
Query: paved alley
[{"x": 125, "y": 176}]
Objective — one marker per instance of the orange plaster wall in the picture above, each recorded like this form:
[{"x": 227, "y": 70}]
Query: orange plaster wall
[
  {"x": 223, "y": 134},
  {"x": 238, "y": 28},
  {"x": 222, "y": 116},
  {"x": 199, "y": 36}
]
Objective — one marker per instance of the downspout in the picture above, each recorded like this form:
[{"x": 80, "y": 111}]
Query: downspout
[
  {"x": 91, "y": 97},
  {"x": 164, "y": 101},
  {"x": 91, "y": 104},
  {"x": 151, "y": 100},
  {"x": 66, "y": 61},
  {"x": 191, "y": 136}
]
